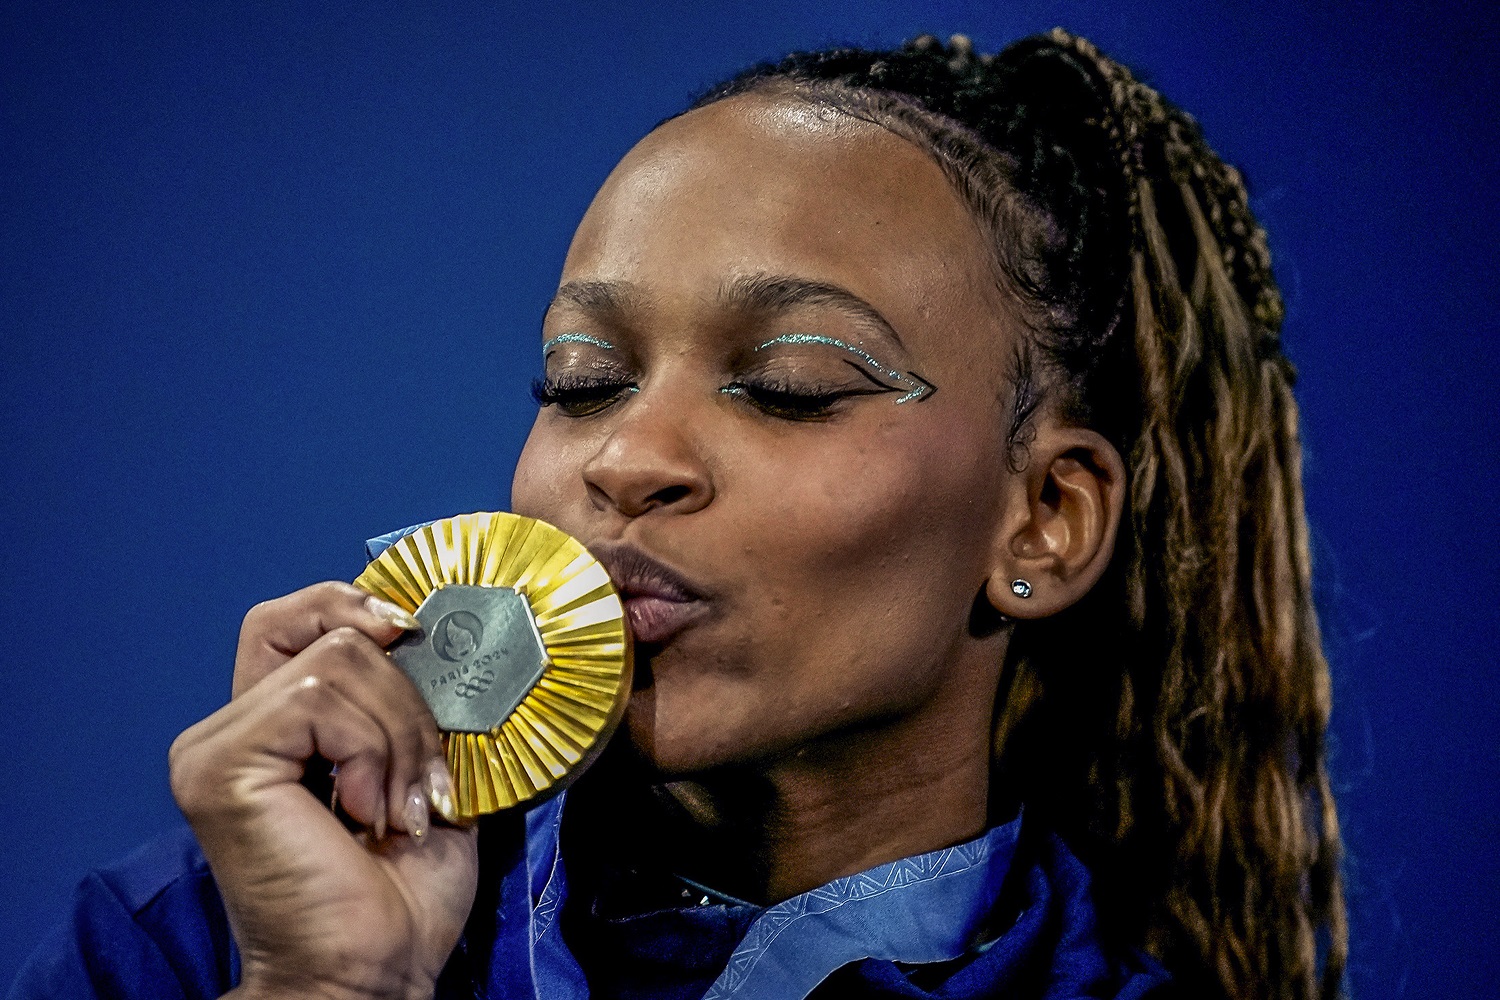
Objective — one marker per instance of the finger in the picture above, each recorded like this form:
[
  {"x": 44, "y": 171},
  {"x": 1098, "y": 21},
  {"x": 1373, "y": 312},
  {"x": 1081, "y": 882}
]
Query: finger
[
  {"x": 352, "y": 663},
  {"x": 345, "y": 733},
  {"x": 297, "y": 716},
  {"x": 262, "y": 742},
  {"x": 360, "y": 788},
  {"x": 272, "y": 720},
  {"x": 275, "y": 631}
]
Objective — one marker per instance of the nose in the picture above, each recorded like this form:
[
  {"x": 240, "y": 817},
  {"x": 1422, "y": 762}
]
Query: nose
[{"x": 650, "y": 461}]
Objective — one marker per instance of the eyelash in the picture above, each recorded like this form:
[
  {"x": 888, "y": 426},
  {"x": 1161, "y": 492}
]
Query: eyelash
[
  {"x": 576, "y": 396},
  {"x": 582, "y": 397},
  {"x": 780, "y": 398}
]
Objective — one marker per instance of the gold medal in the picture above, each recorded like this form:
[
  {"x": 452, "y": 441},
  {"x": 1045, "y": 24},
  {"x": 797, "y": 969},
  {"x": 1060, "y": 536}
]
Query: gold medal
[{"x": 523, "y": 656}]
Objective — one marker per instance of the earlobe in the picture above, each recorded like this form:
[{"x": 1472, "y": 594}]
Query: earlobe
[{"x": 1062, "y": 515}]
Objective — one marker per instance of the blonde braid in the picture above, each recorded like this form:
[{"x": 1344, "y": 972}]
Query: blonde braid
[
  {"x": 1190, "y": 767},
  {"x": 1216, "y": 475}
]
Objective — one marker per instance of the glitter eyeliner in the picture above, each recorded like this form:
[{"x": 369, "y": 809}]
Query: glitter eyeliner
[
  {"x": 915, "y": 386},
  {"x": 576, "y": 338}
]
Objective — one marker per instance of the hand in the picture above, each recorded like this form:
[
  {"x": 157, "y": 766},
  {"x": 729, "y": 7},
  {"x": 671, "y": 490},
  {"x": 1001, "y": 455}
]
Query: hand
[{"x": 315, "y": 909}]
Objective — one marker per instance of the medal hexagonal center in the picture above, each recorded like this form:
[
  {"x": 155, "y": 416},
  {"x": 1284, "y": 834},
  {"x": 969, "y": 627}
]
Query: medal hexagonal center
[{"x": 477, "y": 656}]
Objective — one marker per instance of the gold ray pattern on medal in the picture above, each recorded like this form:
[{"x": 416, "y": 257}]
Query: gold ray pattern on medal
[{"x": 568, "y": 715}]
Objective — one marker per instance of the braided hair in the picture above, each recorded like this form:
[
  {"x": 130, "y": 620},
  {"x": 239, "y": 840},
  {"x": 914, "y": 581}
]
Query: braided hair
[{"x": 1171, "y": 724}]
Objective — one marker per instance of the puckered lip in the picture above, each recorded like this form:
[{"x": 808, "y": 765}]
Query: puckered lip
[
  {"x": 635, "y": 573},
  {"x": 659, "y": 601}
]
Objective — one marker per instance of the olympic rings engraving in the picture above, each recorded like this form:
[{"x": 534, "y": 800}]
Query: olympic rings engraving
[{"x": 477, "y": 686}]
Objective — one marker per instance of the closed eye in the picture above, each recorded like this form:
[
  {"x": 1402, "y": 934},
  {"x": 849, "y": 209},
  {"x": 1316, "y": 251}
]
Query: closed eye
[
  {"x": 787, "y": 401},
  {"x": 579, "y": 396}
]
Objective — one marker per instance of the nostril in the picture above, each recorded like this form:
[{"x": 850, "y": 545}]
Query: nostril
[
  {"x": 668, "y": 495},
  {"x": 648, "y": 465}
]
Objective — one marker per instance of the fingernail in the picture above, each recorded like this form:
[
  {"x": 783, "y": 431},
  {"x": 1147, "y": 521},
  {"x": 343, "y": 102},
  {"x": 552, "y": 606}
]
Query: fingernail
[
  {"x": 380, "y": 818},
  {"x": 391, "y": 615},
  {"x": 416, "y": 813},
  {"x": 440, "y": 790}
]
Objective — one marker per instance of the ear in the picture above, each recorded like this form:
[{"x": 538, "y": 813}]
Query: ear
[{"x": 1062, "y": 513}]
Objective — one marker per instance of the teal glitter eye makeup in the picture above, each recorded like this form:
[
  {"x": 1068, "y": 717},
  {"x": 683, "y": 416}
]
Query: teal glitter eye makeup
[
  {"x": 576, "y": 338},
  {"x": 914, "y": 386},
  {"x": 580, "y": 391}
]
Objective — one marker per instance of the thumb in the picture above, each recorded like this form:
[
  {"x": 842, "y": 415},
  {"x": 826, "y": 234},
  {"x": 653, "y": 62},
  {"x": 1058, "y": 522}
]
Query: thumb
[{"x": 275, "y": 631}]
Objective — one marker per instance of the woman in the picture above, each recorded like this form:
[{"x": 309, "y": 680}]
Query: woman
[{"x": 929, "y": 411}]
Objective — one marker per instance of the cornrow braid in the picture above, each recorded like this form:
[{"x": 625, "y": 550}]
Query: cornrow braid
[
  {"x": 1172, "y": 723},
  {"x": 1208, "y": 318}
]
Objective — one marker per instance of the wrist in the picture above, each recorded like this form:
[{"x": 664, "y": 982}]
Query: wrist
[{"x": 267, "y": 985}]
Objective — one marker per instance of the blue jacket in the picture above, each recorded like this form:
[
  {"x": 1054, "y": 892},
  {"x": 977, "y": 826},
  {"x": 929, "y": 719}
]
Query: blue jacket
[
  {"x": 925, "y": 926},
  {"x": 1006, "y": 914}
]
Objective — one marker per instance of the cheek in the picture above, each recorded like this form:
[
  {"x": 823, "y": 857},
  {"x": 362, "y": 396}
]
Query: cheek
[
  {"x": 545, "y": 478},
  {"x": 898, "y": 507},
  {"x": 848, "y": 556},
  {"x": 866, "y": 561}
]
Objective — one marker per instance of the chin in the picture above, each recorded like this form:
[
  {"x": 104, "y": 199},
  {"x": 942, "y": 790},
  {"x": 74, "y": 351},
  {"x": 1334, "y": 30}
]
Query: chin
[{"x": 682, "y": 742}]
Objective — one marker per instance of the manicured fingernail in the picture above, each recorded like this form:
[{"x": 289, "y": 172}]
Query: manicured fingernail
[
  {"x": 416, "y": 813},
  {"x": 440, "y": 790},
  {"x": 391, "y": 615}
]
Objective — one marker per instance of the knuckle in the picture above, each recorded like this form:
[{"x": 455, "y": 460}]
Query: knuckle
[
  {"x": 258, "y": 615},
  {"x": 416, "y": 714},
  {"x": 184, "y": 768},
  {"x": 347, "y": 642},
  {"x": 409, "y": 736},
  {"x": 310, "y": 690},
  {"x": 264, "y": 616},
  {"x": 176, "y": 755},
  {"x": 329, "y": 591}
]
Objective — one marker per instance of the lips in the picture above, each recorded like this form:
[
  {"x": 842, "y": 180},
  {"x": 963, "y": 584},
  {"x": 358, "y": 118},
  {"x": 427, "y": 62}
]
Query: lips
[{"x": 659, "y": 601}]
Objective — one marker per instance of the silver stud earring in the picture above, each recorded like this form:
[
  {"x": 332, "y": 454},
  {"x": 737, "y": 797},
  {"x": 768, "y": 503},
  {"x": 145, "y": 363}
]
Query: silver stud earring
[{"x": 1020, "y": 588}]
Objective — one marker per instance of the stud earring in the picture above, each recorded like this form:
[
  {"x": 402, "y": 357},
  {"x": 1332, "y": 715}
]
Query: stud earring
[{"x": 1020, "y": 588}]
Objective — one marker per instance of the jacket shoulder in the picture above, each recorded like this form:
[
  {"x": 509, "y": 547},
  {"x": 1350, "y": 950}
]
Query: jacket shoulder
[{"x": 150, "y": 925}]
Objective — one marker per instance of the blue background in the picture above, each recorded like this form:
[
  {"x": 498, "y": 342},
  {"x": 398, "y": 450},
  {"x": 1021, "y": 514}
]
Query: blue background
[{"x": 270, "y": 279}]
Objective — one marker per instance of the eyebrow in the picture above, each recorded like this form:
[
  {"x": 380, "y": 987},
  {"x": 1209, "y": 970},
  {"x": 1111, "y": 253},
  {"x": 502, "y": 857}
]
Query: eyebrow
[
  {"x": 612, "y": 297},
  {"x": 754, "y": 293},
  {"x": 778, "y": 293}
]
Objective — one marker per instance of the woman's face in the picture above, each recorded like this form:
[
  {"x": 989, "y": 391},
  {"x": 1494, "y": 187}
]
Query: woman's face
[{"x": 776, "y": 384}]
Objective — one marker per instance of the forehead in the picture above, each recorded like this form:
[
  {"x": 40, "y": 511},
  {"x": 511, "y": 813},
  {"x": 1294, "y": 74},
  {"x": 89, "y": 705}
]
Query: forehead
[{"x": 762, "y": 184}]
